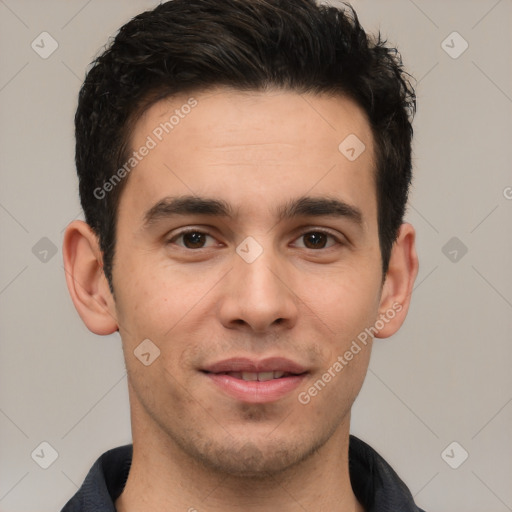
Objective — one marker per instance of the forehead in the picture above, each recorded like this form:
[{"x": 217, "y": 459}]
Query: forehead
[
  {"x": 222, "y": 115},
  {"x": 252, "y": 146}
]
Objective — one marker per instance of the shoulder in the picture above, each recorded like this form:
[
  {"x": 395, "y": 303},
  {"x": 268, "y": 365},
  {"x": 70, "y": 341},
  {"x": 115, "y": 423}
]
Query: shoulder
[{"x": 104, "y": 482}]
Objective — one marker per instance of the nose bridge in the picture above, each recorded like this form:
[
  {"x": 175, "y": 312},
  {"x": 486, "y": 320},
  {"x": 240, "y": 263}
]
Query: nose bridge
[
  {"x": 259, "y": 295},
  {"x": 258, "y": 268}
]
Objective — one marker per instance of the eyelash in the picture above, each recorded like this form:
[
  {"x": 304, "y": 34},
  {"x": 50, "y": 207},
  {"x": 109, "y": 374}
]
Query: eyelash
[{"x": 192, "y": 230}]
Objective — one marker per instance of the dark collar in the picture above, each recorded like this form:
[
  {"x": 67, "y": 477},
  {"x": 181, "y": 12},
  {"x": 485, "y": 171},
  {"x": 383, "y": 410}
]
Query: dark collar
[{"x": 377, "y": 487}]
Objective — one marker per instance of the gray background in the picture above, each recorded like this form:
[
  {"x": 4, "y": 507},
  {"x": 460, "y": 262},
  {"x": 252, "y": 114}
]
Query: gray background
[{"x": 444, "y": 377}]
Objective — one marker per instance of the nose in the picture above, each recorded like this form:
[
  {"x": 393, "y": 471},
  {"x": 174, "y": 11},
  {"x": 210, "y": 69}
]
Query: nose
[{"x": 259, "y": 295}]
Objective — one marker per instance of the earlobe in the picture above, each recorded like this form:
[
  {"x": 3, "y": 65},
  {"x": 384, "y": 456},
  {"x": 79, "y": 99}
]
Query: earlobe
[
  {"x": 399, "y": 282},
  {"x": 85, "y": 279}
]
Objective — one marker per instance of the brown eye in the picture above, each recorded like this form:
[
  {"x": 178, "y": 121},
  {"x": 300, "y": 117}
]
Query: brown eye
[
  {"x": 192, "y": 239},
  {"x": 317, "y": 240}
]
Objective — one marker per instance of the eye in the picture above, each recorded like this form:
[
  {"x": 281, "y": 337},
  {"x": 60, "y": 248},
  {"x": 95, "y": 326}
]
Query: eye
[
  {"x": 317, "y": 239},
  {"x": 192, "y": 239},
  {"x": 196, "y": 239}
]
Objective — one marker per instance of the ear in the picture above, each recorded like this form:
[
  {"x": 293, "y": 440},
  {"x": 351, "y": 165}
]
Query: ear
[
  {"x": 398, "y": 285},
  {"x": 87, "y": 284}
]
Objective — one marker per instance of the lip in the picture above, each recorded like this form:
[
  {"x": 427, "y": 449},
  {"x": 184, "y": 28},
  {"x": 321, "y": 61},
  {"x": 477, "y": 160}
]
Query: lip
[
  {"x": 255, "y": 391},
  {"x": 244, "y": 364}
]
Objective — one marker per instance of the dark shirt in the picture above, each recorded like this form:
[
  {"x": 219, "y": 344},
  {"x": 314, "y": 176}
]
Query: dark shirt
[{"x": 377, "y": 487}]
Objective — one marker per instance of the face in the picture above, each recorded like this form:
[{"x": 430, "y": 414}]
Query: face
[{"x": 271, "y": 265}]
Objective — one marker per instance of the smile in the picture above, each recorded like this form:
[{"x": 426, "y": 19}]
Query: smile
[
  {"x": 255, "y": 388},
  {"x": 260, "y": 377}
]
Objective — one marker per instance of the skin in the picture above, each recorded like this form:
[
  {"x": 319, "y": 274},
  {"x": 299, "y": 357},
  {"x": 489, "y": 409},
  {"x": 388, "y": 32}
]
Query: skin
[{"x": 194, "y": 446}]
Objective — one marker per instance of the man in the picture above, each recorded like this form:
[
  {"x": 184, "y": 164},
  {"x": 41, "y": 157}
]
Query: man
[{"x": 244, "y": 169}]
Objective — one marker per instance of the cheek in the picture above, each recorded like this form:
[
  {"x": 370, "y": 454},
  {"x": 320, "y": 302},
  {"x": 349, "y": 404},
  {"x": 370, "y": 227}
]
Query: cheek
[
  {"x": 346, "y": 300},
  {"x": 148, "y": 301},
  {"x": 170, "y": 309}
]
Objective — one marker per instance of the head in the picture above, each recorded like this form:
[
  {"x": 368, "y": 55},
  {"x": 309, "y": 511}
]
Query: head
[
  {"x": 246, "y": 104},
  {"x": 184, "y": 47}
]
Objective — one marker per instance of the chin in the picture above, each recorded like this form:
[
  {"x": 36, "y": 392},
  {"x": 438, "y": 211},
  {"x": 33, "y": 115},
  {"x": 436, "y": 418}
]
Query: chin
[{"x": 251, "y": 459}]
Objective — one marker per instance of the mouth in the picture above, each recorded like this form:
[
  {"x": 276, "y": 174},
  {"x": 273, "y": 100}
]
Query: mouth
[
  {"x": 257, "y": 376},
  {"x": 245, "y": 365},
  {"x": 251, "y": 381}
]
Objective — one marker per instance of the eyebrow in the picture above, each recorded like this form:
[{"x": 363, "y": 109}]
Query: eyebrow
[{"x": 305, "y": 206}]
